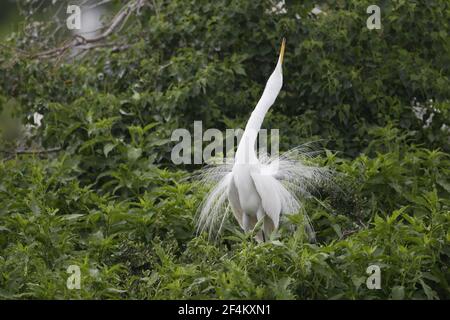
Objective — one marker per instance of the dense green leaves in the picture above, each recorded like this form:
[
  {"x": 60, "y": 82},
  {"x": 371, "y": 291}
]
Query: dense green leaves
[{"x": 94, "y": 186}]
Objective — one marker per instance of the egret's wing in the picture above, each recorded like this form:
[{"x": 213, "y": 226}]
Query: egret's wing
[
  {"x": 233, "y": 198},
  {"x": 270, "y": 190},
  {"x": 294, "y": 170},
  {"x": 277, "y": 199},
  {"x": 213, "y": 211},
  {"x": 297, "y": 176}
]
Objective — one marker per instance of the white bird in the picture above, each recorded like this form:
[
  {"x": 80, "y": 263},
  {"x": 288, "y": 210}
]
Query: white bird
[{"x": 259, "y": 189}]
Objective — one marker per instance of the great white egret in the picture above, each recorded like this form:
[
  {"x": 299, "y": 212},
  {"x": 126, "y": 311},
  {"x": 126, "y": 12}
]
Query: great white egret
[{"x": 259, "y": 189}]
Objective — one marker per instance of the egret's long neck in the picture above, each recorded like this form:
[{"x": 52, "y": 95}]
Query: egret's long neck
[{"x": 246, "y": 150}]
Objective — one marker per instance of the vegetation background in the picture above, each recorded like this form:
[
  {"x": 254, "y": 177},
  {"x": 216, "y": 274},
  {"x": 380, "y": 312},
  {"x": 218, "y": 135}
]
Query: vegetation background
[{"x": 94, "y": 186}]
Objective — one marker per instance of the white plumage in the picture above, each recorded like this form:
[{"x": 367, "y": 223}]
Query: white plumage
[{"x": 259, "y": 189}]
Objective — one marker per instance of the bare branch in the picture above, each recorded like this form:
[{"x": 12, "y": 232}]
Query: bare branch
[
  {"x": 78, "y": 41},
  {"x": 98, "y": 4},
  {"x": 51, "y": 150},
  {"x": 13, "y": 154}
]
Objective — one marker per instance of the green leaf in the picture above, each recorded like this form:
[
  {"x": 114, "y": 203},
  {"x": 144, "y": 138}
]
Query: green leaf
[
  {"x": 134, "y": 153},
  {"x": 337, "y": 229},
  {"x": 398, "y": 293},
  {"x": 430, "y": 293},
  {"x": 107, "y": 148},
  {"x": 73, "y": 216}
]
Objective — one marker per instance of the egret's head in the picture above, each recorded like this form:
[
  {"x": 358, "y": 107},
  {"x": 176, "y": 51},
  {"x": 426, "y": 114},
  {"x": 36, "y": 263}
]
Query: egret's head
[{"x": 275, "y": 81}]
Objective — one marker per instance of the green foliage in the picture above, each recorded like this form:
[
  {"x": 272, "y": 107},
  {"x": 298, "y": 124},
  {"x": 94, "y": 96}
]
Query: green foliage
[{"x": 110, "y": 201}]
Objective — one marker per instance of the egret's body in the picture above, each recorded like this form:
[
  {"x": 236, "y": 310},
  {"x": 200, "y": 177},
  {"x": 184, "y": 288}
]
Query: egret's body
[{"x": 258, "y": 189}]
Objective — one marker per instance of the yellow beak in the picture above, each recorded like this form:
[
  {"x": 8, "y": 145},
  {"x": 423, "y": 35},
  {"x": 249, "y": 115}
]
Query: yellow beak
[{"x": 283, "y": 46}]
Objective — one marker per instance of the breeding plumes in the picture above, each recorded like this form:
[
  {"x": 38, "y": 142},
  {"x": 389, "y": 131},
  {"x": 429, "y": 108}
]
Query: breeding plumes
[{"x": 260, "y": 189}]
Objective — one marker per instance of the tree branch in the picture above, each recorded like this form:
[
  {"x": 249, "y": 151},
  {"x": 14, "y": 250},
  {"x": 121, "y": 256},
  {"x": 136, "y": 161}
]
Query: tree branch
[
  {"x": 12, "y": 154},
  {"x": 79, "y": 41},
  {"x": 56, "y": 149}
]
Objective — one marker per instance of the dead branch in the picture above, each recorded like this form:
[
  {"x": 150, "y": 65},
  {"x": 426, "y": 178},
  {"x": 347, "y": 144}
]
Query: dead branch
[
  {"x": 51, "y": 150},
  {"x": 79, "y": 41},
  {"x": 12, "y": 154}
]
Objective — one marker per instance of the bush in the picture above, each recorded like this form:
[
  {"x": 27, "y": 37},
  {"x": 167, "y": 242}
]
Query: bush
[{"x": 98, "y": 189}]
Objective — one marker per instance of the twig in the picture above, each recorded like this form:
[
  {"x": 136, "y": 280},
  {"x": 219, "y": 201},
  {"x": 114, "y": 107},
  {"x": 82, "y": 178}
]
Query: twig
[
  {"x": 10, "y": 48},
  {"x": 51, "y": 150},
  {"x": 155, "y": 7},
  {"x": 349, "y": 232},
  {"x": 115, "y": 48},
  {"x": 93, "y": 6}
]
